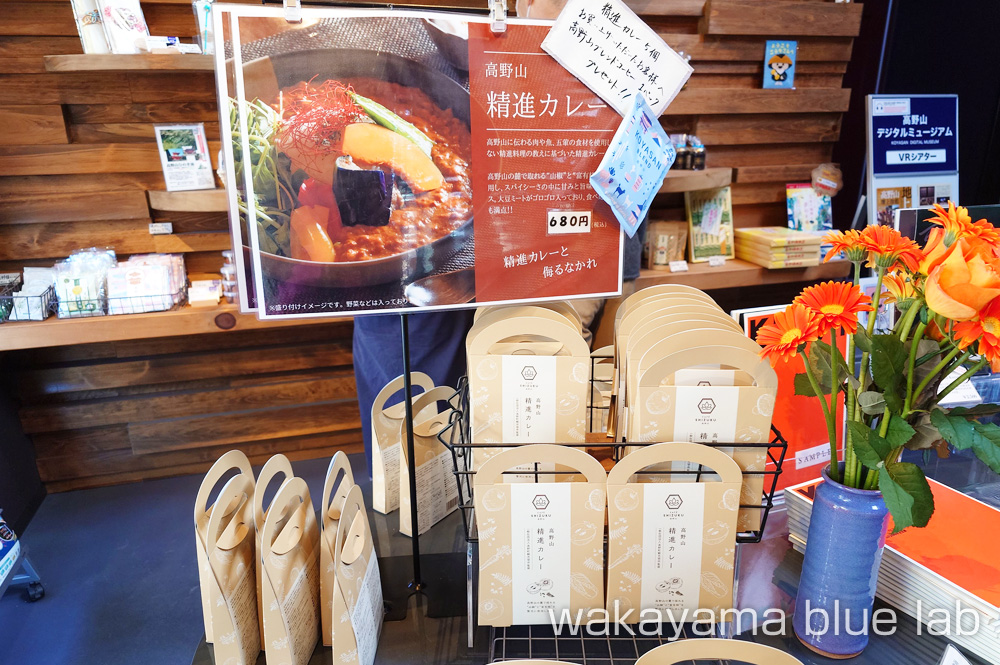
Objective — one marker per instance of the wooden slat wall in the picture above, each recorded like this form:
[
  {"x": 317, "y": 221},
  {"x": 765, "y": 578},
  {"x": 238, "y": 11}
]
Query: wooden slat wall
[{"x": 77, "y": 157}]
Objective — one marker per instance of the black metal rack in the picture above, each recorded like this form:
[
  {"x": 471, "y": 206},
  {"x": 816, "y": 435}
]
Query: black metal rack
[{"x": 533, "y": 641}]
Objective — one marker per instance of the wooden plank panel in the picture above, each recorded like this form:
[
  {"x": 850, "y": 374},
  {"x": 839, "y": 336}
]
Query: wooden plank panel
[
  {"x": 751, "y": 155},
  {"x": 43, "y": 185},
  {"x": 751, "y": 49},
  {"x": 58, "y": 239},
  {"x": 76, "y": 88},
  {"x": 171, "y": 369},
  {"x": 702, "y": 276},
  {"x": 82, "y": 158},
  {"x": 723, "y": 101},
  {"x": 62, "y": 206},
  {"x": 207, "y": 200},
  {"x": 243, "y": 427},
  {"x": 38, "y": 18},
  {"x": 99, "y": 413},
  {"x": 753, "y": 81},
  {"x": 760, "y": 214},
  {"x": 27, "y": 125},
  {"x": 37, "y": 45},
  {"x": 120, "y": 466},
  {"x": 126, "y": 63},
  {"x": 195, "y": 222},
  {"x": 764, "y": 192},
  {"x": 748, "y": 17},
  {"x": 192, "y": 87},
  {"x": 81, "y": 442},
  {"x": 114, "y": 113},
  {"x": 767, "y": 129},
  {"x": 667, "y": 7},
  {"x": 262, "y": 339},
  {"x": 775, "y": 173},
  {"x": 176, "y": 20},
  {"x": 125, "y": 132}
]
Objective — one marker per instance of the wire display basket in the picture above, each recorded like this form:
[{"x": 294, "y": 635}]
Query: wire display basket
[
  {"x": 83, "y": 308},
  {"x": 25, "y": 307}
]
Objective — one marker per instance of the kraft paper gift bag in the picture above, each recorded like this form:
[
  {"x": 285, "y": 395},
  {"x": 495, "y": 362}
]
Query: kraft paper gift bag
[
  {"x": 233, "y": 462},
  {"x": 278, "y": 467},
  {"x": 357, "y": 596},
  {"x": 736, "y": 414},
  {"x": 387, "y": 437},
  {"x": 714, "y": 649},
  {"x": 541, "y": 545},
  {"x": 528, "y": 381},
  {"x": 331, "y": 507},
  {"x": 437, "y": 488},
  {"x": 229, "y": 545},
  {"x": 289, "y": 554},
  {"x": 671, "y": 545}
]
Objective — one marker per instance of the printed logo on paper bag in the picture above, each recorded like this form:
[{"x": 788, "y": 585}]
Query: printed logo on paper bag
[
  {"x": 540, "y": 541},
  {"x": 529, "y": 399},
  {"x": 706, "y": 414},
  {"x": 672, "y": 525}
]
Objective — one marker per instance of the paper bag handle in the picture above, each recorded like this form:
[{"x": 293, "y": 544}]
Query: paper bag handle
[
  {"x": 576, "y": 460},
  {"x": 658, "y": 453},
  {"x": 416, "y": 378},
  {"x": 716, "y": 649},
  {"x": 332, "y": 504},
  {"x": 236, "y": 491},
  {"x": 730, "y": 356},
  {"x": 429, "y": 398},
  {"x": 278, "y": 464},
  {"x": 293, "y": 492},
  {"x": 558, "y": 306},
  {"x": 353, "y": 524},
  {"x": 658, "y": 290},
  {"x": 234, "y": 459},
  {"x": 558, "y": 331}
]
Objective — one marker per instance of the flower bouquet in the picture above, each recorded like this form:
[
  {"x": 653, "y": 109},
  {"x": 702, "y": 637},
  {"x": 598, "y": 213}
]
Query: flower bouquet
[{"x": 948, "y": 297}]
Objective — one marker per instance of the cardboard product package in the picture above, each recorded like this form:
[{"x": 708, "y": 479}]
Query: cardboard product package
[
  {"x": 357, "y": 594},
  {"x": 229, "y": 546},
  {"x": 541, "y": 545},
  {"x": 338, "y": 483},
  {"x": 289, "y": 555},
  {"x": 387, "y": 438},
  {"x": 660, "y": 411},
  {"x": 276, "y": 468},
  {"x": 437, "y": 488},
  {"x": 671, "y": 545},
  {"x": 231, "y": 463},
  {"x": 529, "y": 376}
]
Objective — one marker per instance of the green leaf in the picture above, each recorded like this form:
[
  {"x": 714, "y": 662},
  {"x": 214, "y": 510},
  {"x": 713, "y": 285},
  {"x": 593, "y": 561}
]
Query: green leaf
[
  {"x": 871, "y": 402},
  {"x": 899, "y": 432},
  {"x": 862, "y": 340},
  {"x": 907, "y": 495},
  {"x": 956, "y": 430},
  {"x": 870, "y": 448},
  {"x": 824, "y": 348},
  {"x": 888, "y": 368},
  {"x": 987, "y": 445},
  {"x": 802, "y": 385}
]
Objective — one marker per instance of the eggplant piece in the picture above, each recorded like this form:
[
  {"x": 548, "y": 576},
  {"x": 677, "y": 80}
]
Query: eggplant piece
[{"x": 363, "y": 195}]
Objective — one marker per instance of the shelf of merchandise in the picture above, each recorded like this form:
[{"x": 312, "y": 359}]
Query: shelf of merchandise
[
  {"x": 92, "y": 62},
  {"x": 737, "y": 273},
  {"x": 688, "y": 181},
  {"x": 187, "y": 320},
  {"x": 204, "y": 200}
]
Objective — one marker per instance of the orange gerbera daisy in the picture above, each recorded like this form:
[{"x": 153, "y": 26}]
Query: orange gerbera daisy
[
  {"x": 899, "y": 288},
  {"x": 986, "y": 329},
  {"x": 887, "y": 247},
  {"x": 848, "y": 242},
  {"x": 984, "y": 231},
  {"x": 786, "y": 332},
  {"x": 955, "y": 220},
  {"x": 836, "y": 304}
]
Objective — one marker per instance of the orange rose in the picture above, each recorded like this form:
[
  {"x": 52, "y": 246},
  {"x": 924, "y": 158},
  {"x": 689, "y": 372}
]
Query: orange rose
[
  {"x": 962, "y": 283},
  {"x": 935, "y": 251}
]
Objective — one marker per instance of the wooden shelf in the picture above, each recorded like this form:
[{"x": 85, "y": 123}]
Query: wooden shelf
[
  {"x": 204, "y": 200},
  {"x": 741, "y": 273},
  {"x": 185, "y": 321},
  {"x": 177, "y": 62},
  {"x": 689, "y": 181}
]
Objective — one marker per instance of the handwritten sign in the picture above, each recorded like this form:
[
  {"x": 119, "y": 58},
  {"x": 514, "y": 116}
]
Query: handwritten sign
[
  {"x": 605, "y": 45},
  {"x": 633, "y": 168}
]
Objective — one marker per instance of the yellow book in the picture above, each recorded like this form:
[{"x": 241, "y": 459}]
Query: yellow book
[
  {"x": 767, "y": 262},
  {"x": 778, "y": 236}
]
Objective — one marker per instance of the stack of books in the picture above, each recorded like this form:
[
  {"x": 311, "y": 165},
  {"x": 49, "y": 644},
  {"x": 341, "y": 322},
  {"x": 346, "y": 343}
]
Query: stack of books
[
  {"x": 946, "y": 575},
  {"x": 778, "y": 247}
]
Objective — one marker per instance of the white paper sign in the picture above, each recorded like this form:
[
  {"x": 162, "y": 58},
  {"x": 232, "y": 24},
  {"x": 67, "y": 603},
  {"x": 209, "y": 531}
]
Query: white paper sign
[
  {"x": 540, "y": 541},
  {"x": 965, "y": 395},
  {"x": 366, "y": 617},
  {"x": 613, "y": 52},
  {"x": 673, "y": 517},
  {"x": 529, "y": 399}
]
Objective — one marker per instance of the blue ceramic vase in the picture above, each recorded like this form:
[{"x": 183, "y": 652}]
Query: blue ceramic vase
[{"x": 833, "y": 608}]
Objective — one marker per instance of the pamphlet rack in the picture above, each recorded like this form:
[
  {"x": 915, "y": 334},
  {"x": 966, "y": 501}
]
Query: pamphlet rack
[{"x": 519, "y": 642}]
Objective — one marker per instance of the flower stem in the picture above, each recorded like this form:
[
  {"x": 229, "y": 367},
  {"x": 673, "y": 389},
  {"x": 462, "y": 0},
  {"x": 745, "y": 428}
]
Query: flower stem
[
  {"x": 914, "y": 345},
  {"x": 834, "y": 461},
  {"x": 960, "y": 380},
  {"x": 934, "y": 372}
]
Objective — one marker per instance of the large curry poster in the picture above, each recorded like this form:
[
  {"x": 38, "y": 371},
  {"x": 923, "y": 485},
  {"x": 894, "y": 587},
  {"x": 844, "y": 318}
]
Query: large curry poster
[{"x": 389, "y": 161}]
